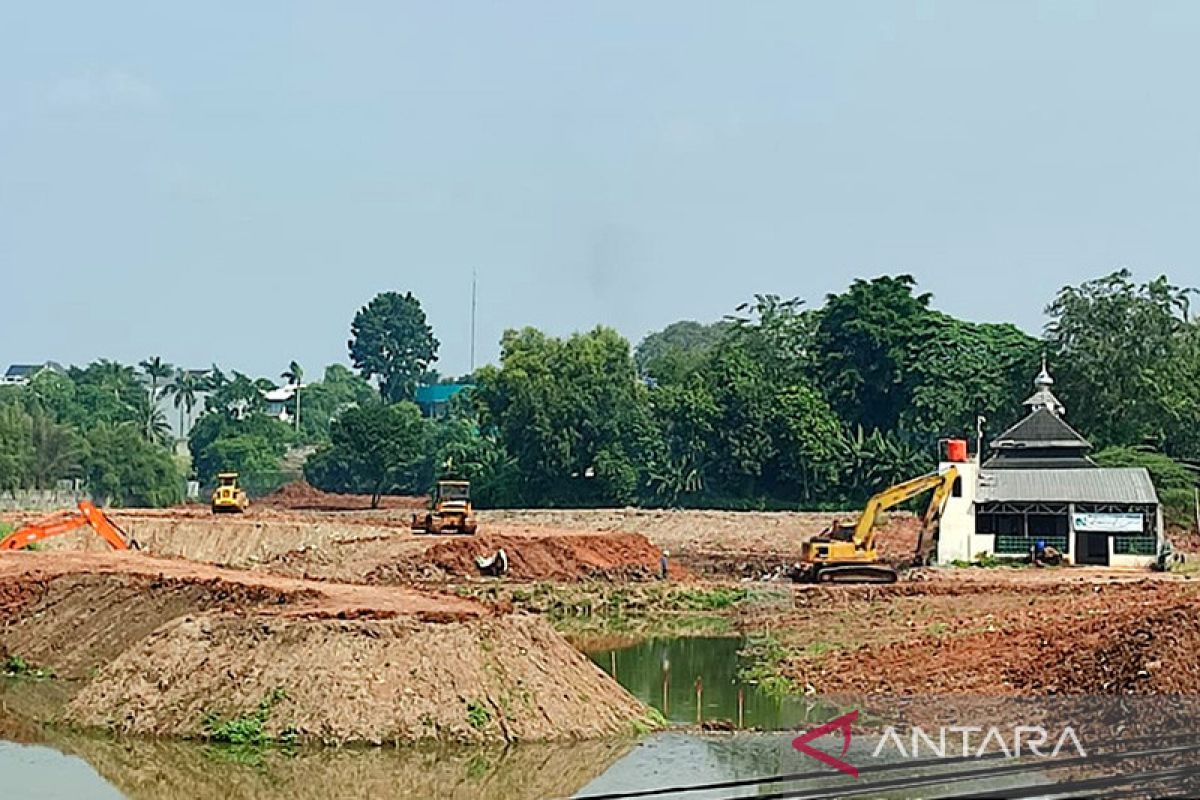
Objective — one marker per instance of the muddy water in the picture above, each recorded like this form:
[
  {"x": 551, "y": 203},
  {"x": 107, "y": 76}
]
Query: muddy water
[{"x": 695, "y": 679}]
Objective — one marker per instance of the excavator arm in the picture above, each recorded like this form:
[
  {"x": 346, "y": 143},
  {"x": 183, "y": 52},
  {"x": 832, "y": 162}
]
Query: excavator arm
[
  {"x": 941, "y": 482},
  {"x": 64, "y": 522}
]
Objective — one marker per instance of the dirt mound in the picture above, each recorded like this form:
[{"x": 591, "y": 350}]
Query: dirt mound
[
  {"x": 508, "y": 678},
  {"x": 157, "y": 646},
  {"x": 302, "y": 496},
  {"x": 572, "y": 557},
  {"x": 76, "y": 623}
]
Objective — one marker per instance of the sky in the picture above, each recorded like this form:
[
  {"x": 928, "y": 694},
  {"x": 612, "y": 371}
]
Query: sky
[{"x": 229, "y": 182}]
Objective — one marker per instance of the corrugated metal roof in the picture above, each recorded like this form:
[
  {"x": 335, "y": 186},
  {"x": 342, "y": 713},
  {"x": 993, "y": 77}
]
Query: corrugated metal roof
[{"x": 1098, "y": 485}]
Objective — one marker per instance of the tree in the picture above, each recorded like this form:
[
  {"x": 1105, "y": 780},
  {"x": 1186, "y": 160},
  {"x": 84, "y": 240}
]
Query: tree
[
  {"x": 339, "y": 388},
  {"x": 123, "y": 469},
  {"x": 572, "y": 413},
  {"x": 294, "y": 374},
  {"x": 677, "y": 349},
  {"x": 374, "y": 450},
  {"x": 106, "y": 391},
  {"x": 860, "y": 342},
  {"x": 955, "y": 371},
  {"x": 156, "y": 370},
  {"x": 57, "y": 451},
  {"x": 253, "y": 445},
  {"x": 1125, "y": 358},
  {"x": 391, "y": 341},
  {"x": 186, "y": 387},
  {"x": 16, "y": 447}
]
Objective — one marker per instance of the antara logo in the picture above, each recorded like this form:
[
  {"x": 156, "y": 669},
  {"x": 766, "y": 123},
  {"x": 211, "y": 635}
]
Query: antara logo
[
  {"x": 958, "y": 741},
  {"x": 842, "y": 724}
]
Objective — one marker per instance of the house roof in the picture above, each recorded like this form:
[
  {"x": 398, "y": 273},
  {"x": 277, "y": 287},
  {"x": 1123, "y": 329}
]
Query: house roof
[
  {"x": 1127, "y": 485},
  {"x": 438, "y": 392},
  {"x": 1041, "y": 429},
  {"x": 29, "y": 370}
]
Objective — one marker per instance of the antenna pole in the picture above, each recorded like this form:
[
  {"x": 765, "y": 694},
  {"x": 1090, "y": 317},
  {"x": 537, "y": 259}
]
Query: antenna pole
[{"x": 474, "y": 282}]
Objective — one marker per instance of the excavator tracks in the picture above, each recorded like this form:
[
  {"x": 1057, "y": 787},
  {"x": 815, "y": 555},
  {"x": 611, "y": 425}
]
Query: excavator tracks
[{"x": 855, "y": 573}]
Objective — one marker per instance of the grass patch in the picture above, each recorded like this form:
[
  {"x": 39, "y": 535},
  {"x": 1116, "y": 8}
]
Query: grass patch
[
  {"x": 479, "y": 716},
  {"x": 16, "y": 667},
  {"x": 651, "y": 721},
  {"x": 763, "y": 657},
  {"x": 249, "y": 729}
]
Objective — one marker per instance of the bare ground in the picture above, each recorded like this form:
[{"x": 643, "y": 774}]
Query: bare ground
[{"x": 155, "y": 645}]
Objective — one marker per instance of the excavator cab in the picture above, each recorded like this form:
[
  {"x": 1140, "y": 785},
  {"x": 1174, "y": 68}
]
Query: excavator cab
[{"x": 228, "y": 497}]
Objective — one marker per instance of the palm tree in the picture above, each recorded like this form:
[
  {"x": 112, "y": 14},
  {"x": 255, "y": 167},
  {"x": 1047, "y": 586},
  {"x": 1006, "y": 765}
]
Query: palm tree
[
  {"x": 185, "y": 387},
  {"x": 293, "y": 375},
  {"x": 156, "y": 369}
]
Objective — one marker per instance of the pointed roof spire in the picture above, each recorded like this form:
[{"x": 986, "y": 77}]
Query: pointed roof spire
[{"x": 1042, "y": 397}]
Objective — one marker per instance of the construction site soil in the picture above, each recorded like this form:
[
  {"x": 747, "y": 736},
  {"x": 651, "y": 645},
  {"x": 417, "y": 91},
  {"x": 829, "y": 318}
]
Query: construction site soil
[
  {"x": 165, "y": 647},
  {"x": 1008, "y": 632},
  {"x": 350, "y": 614}
]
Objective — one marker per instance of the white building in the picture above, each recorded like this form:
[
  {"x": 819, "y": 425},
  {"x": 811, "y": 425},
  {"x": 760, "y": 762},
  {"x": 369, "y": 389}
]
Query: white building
[{"x": 1040, "y": 485}]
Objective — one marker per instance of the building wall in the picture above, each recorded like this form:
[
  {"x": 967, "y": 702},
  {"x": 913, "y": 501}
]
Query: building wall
[{"x": 957, "y": 540}]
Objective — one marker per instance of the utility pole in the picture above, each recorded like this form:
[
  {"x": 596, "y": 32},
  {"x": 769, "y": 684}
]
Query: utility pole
[{"x": 474, "y": 282}]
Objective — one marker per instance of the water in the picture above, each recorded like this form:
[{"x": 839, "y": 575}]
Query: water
[{"x": 695, "y": 679}]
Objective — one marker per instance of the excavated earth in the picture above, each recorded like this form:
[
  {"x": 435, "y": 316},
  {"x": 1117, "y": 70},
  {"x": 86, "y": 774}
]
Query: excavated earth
[
  {"x": 343, "y": 604},
  {"x": 166, "y": 647},
  {"x": 1012, "y": 633}
]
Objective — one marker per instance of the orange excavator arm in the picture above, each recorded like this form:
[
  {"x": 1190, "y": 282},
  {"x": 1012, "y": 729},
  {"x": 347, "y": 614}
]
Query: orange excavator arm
[{"x": 64, "y": 522}]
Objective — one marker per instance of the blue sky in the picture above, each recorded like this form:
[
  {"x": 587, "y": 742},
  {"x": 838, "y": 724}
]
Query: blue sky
[{"x": 230, "y": 181}]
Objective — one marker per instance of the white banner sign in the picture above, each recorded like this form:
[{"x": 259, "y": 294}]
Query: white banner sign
[{"x": 1109, "y": 523}]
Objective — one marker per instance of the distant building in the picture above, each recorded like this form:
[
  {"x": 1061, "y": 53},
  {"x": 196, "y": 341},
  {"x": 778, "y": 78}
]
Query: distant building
[
  {"x": 21, "y": 374},
  {"x": 278, "y": 400},
  {"x": 1040, "y": 485},
  {"x": 434, "y": 400}
]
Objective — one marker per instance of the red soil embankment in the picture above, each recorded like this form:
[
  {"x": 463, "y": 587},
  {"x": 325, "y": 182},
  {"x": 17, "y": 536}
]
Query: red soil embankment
[{"x": 157, "y": 646}]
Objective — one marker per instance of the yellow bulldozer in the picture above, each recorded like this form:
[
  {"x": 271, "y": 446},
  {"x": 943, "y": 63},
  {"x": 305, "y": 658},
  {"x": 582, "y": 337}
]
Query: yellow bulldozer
[
  {"x": 846, "y": 552},
  {"x": 451, "y": 513},
  {"x": 228, "y": 497}
]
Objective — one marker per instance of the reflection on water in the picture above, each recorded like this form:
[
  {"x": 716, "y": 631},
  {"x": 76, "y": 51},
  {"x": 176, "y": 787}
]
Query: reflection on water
[
  {"x": 695, "y": 679},
  {"x": 62, "y": 763},
  {"x": 145, "y": 769}
]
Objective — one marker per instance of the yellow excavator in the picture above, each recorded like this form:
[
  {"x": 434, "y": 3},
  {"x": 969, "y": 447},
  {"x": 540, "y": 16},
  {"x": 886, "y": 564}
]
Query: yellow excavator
[{"x": 846, "y": 552}]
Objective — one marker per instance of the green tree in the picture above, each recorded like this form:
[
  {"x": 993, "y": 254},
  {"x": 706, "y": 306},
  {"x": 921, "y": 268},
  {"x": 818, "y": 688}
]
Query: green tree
[
  {"x": 955, "y": 371},
  {"x": 123, "y": 469},
  {"x": 391, "y": 341},
  {"x": 156, "y": 370},
  {"x": 339, "y": 389},
  {"x": 572, "y": 413},
  {"x": 253, "y": 445},
  {"x": 185, "y": 388},
  {"x": 860, "y": 342},
  {"x": 1124, "y": 357},
  {"x": 677, "y": 349},
  {"x": 57, "y": 451},
  {"x": 373, "y": 449},
  {"x": 294, "y": 374},
  {"x": 16, "y": 447},
  {"x": 106, "y": 392}
]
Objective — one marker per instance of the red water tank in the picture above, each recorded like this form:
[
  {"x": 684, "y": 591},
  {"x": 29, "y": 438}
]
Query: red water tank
[{"x": 956, "y": 450}]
